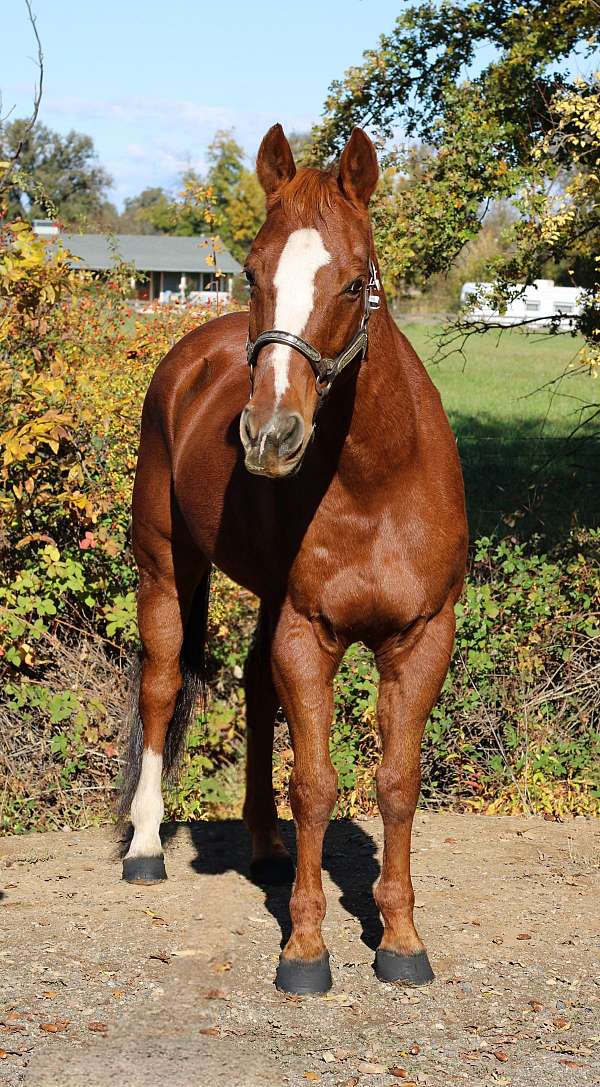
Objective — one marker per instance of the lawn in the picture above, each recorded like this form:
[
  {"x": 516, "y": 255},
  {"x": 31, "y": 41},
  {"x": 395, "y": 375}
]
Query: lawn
[{"x": 513, "y": 405}]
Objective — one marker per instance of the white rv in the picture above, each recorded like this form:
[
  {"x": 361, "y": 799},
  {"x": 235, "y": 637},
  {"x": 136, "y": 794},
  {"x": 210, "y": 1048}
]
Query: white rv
[{"x": 539, "y": 304}]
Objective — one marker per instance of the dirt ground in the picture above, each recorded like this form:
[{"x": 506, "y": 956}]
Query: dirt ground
[{"x": 106, "y": 983}]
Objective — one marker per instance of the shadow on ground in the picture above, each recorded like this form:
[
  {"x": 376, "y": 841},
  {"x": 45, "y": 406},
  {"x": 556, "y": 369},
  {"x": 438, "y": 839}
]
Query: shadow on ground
[
  {"x": 349, "y": 856},
  {"x": 510, "y": 468}
]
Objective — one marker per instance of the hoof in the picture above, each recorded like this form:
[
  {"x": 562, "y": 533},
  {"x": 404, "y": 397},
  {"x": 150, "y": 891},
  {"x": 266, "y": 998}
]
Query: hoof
[
  {"x": 405, "y": 969},
  {"x": 301, "y": 978},
  {"x": 272, "y": 871},
  {"x": 144, "y": 869}
]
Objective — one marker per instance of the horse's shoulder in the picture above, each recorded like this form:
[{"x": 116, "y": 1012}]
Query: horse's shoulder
[{"x": 197, "y": 359}]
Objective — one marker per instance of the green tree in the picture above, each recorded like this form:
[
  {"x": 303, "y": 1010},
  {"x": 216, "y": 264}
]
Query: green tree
[
  {"x": 141, "y": 212},
  {"x": 237, "y": 197},
  {"x": 518, "y": 130},
  {"x": 55, "y": 173}
]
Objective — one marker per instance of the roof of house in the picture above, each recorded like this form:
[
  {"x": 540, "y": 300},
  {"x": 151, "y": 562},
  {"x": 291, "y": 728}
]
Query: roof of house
[{"x": 149, "y": 252}]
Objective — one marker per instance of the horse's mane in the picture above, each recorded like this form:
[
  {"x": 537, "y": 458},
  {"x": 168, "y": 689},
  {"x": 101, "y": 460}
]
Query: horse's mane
[{"x": 310, "y": 193}]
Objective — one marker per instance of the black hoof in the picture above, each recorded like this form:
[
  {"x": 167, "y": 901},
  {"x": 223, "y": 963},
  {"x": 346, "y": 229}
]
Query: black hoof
[
  {"x": 301, "y": 978},
  {"x": 144, "y": 869},
  {"x": 272, "y": 871},
  {"x": 405, "y": 969}
]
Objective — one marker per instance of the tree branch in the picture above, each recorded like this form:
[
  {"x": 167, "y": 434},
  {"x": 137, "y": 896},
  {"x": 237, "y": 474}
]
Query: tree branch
[{"x": 37, "y": 98}]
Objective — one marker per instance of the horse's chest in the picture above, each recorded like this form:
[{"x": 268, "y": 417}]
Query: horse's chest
[{"x": 365, "y": 582}]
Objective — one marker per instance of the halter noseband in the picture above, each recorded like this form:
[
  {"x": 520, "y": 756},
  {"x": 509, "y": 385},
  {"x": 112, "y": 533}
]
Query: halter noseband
[{"x": 325, "y": 370}]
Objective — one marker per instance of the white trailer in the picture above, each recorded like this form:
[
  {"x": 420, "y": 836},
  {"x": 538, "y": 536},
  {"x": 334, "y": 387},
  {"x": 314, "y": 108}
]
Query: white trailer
[{"x": 540, "y": 304}]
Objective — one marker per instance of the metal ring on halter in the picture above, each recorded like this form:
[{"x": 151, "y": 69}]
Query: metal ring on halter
[{"x": 325, "y": 370}]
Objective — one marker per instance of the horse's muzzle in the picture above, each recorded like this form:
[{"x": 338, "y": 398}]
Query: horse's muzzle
[{"x": 273, "y": 446}]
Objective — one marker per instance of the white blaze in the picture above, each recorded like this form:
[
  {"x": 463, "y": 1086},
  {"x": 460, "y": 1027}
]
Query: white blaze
[
  {"x": 147, "y": 808},
  {"x": 303, "y": 254}
]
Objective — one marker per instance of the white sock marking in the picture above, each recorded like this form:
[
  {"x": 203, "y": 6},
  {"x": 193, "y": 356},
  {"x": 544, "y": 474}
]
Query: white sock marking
[
  {"x": 303, "y": 254},
  {"x": 147, "y": 808}
]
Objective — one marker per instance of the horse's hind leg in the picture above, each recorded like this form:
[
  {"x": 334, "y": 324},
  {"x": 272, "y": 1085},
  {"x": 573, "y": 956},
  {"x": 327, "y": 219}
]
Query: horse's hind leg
[
  {"x": 164, "y": 706},
  {"x": 412, "y": 672},
  {"x": 271, "y": 863}
]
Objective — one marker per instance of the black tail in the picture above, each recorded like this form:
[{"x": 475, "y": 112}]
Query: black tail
[{"x": 193, "y": 686}]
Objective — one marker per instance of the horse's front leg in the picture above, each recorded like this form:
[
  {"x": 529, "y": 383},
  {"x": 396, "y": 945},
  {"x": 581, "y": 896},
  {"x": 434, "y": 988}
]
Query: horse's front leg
[
  {"x": 303, "y": 672},
  {"x": 412, "y": 672}
]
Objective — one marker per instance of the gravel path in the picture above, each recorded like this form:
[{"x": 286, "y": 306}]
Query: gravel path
[{"x": 105, "y": 983}]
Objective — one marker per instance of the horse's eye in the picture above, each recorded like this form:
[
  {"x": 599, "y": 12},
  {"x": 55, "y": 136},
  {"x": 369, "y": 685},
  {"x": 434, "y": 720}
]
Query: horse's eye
[{"x": 355, "y": 287}]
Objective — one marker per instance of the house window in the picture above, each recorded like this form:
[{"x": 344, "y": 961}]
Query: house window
[{"x": 532, "y": 307}]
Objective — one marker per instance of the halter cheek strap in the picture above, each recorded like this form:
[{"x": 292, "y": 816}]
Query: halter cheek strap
[{"x": 325, "y": 370}]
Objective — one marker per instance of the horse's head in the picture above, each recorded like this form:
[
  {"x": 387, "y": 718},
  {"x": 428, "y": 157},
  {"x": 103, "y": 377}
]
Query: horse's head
[{"x": 310, "y": 276}]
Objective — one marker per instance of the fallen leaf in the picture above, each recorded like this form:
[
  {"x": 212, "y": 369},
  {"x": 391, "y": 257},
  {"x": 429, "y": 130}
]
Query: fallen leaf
[
  {"x": 536, "y": 1006},
  {"x": 314, "y": 1077},
  {"x": 98, "y": 1028},
  {"x": 524, "y": 936},
  {"x": 3, "y": 1054},
  {"x": 571, "y": 1064},
  {"x": 500, "y": 1055},
  {"x": 401, "y": 1073},
  {"x": 561, "y": 1022},
  {"x": 50, "y": 994},
  {"x": 498, "y": 940},
  {"x": 374, "y": 1069},
  {"x": 215, "y": 994},
  {"x": 211, "y": 1032},
  {"x": 118, "y": 993},
  {"x": 53, "y": 1028},
  {"x": 476, "y": 923},
  {"x": 159, "y": 922},
  {"x": 449, "y": 841},
  {"x": 414, "y": 1049}
]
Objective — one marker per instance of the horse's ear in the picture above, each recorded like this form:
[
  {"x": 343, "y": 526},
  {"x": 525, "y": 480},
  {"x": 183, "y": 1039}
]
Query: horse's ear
[
  {"x": 274, "y": 163},
  {"x": 359, "y": 171}
]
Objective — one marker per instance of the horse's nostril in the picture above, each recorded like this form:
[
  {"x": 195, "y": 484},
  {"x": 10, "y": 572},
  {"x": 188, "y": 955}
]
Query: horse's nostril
[
  {"x": 290, "y": 431},
  {"x": 248, "y": 426}
]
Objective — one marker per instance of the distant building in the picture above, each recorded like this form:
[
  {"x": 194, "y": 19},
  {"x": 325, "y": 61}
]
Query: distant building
[
  {"x": 169, "y": 267},
  {"x": 542, "y": 303}
]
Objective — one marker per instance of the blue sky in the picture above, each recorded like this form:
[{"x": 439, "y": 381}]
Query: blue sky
[{"x": 151, "y": 82}]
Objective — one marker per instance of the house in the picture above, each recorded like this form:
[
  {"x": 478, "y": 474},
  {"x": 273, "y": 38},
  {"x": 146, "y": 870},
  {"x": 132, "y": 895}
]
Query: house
[
  {"x": 541, "y": 303},
  {"x": 169, "y": 267}
]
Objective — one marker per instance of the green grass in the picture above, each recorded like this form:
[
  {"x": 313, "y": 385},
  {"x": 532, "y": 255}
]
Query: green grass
[{"x": 513, "y": 405}]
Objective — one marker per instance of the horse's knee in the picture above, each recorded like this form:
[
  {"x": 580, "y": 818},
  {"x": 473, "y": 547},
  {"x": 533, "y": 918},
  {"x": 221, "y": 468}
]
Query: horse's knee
[
  {"x": 313, "y": 793},
  {"x": 396, "y": 793}
]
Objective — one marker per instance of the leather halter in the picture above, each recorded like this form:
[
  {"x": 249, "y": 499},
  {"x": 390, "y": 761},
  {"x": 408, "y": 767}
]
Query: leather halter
[{"x": 325, "y": 370}]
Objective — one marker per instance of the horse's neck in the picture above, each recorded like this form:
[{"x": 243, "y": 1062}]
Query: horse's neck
[{"x": 381, "y": 435}]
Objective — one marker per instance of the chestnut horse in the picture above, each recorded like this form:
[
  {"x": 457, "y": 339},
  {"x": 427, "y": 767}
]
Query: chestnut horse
[{"x": 334, "y": 493}]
